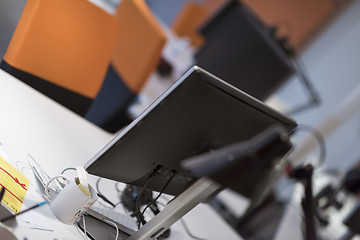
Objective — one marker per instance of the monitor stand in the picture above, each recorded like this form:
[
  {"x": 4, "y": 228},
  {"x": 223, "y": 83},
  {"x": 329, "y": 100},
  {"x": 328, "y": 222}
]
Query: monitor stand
[{"x": 200, "y": 191}]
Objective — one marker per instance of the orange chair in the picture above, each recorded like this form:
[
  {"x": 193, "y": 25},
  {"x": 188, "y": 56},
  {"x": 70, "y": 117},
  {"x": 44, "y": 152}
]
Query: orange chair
[
  {"x": 192, "y": 16},
  {"x": 63, "y": 49},
  {"x": 136, "y": 55}
]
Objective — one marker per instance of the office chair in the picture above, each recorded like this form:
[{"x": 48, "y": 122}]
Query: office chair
[
  {"x": 62, "y": 48},
  {"x": 136, "y": 54}
]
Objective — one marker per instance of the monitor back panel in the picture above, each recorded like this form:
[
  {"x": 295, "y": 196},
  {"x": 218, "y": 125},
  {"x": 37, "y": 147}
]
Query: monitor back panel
[
  {"x": 239, "y": 49},
  {"x": 198, "y": 113}
]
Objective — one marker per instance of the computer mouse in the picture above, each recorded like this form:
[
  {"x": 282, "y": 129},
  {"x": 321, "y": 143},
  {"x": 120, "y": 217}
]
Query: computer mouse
[{"x": 6, "y": 233}]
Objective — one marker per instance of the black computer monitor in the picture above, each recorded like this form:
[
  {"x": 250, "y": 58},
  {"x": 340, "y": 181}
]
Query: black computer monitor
[
  {"x": 240, "y": 49},
  {"x": 198, "y": 113}
]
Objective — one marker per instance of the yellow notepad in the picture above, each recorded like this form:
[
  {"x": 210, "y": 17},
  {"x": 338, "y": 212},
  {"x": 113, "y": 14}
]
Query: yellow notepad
[{"x": 16, "y": 185}]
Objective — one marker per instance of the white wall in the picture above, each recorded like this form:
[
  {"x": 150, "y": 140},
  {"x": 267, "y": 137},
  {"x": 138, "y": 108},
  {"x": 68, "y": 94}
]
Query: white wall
[{"x": 333, "y": 63}]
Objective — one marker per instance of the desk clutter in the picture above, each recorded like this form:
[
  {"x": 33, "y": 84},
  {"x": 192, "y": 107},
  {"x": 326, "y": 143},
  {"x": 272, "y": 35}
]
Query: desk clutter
[
  {"x": 71, "y": 199},
  {"x": 13, "y": 183},
  {"x": 68, "y": 198}
]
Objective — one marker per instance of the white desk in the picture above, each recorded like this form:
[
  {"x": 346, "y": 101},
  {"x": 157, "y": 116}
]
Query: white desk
[{"x": 30, "y": 123}]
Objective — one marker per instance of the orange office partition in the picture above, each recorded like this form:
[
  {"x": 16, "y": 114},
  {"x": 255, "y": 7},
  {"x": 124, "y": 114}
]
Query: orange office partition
[
  {"x": 63, "y": 49},
  {"x": 136, "y": 55},
  {"x": 192, "y": 16},
  {"x": 139, "y": 44}
]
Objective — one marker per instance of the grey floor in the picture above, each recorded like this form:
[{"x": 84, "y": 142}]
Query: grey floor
[{"x": 10, "y": 12}]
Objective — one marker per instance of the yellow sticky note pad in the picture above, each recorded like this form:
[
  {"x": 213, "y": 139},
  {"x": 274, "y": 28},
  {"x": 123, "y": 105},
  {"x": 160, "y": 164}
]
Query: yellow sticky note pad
[{"x": 16, "y": 185}]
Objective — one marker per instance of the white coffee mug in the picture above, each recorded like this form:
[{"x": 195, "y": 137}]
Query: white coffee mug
[{"x": 72, "y": 201}]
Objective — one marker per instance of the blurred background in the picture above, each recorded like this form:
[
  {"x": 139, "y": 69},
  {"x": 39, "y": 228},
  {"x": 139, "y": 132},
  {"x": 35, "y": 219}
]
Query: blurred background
[{"x": 315, "y": 47}]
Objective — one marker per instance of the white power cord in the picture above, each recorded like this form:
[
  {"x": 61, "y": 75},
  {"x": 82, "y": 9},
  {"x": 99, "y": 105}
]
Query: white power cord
[{"x": 117, "y": 229}]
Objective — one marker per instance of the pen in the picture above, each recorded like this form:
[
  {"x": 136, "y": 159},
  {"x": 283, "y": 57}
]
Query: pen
[{"x": 15, "y": 215}]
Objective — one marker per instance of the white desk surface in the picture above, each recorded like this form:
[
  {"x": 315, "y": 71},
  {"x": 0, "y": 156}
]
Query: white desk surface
[{"x": 31, "y": 123}]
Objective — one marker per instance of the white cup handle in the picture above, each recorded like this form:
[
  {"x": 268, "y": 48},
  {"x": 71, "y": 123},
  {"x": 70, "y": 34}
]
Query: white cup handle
[{"x": 47, "y": 192}]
